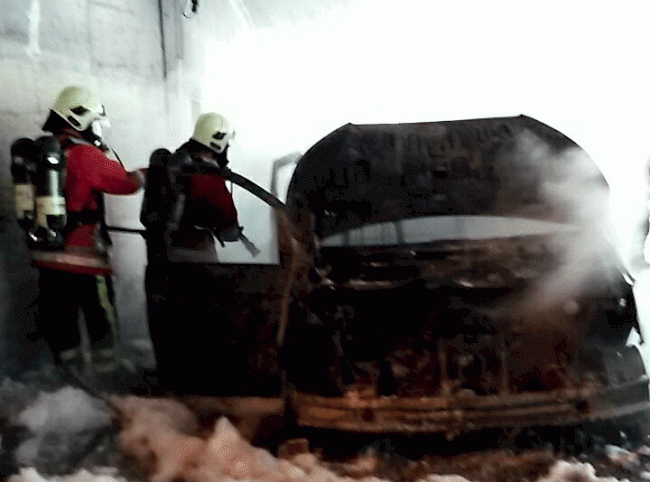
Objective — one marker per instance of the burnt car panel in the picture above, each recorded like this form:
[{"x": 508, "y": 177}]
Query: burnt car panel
[
  {"x": 516, "y": 167},
  {"x": 463, "y": 279}
]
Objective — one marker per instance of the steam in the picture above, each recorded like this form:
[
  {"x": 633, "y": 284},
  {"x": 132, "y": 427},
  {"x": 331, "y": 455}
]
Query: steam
[{"x": 586, "y": 255}]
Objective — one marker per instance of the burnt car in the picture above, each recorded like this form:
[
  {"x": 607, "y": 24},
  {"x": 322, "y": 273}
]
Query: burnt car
[{"x": 462, "y": 278}]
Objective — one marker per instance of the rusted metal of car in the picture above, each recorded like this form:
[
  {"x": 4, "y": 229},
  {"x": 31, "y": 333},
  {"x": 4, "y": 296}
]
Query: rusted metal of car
[{"x": 463, "y": 279}]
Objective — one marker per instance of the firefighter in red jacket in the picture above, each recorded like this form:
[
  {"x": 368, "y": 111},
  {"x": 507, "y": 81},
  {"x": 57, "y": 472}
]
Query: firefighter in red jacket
[
  {"x": 186, "y": 206},
  {"x": 205, "y": 208},
  {"x": 78, "y": 278}
]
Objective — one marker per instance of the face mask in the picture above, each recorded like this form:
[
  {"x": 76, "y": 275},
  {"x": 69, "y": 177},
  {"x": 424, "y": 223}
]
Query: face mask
[{"x": 97, "y": 125}]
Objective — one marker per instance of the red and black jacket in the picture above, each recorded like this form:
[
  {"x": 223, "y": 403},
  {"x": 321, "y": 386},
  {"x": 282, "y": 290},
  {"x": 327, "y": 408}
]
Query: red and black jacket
[{"x": 90, "y": 173}]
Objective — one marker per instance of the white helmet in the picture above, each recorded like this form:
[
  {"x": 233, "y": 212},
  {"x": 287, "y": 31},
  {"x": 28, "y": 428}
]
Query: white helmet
[
  {"x": 80, "y": 108},
  {"x": 214, "y": 131}
]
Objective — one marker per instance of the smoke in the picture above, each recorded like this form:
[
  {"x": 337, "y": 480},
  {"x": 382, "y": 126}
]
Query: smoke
[{"x": 575, "y": 187}]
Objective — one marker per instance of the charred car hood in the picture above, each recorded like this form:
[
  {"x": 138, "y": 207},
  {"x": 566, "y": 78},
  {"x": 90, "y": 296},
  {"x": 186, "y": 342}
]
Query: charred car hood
[{"x": 515, "y": 167}]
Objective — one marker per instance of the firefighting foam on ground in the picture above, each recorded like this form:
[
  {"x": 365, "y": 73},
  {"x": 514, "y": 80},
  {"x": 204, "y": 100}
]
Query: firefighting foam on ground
[{"x": 65, "y": 434}]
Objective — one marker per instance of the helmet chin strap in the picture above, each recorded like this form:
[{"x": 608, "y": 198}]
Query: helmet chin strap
[
  {"x": 93, "y": 133},
  {"x": 211, "y": 157},
  {"x": 93, "y": 138},
  {"x": 222, "y": 157}
]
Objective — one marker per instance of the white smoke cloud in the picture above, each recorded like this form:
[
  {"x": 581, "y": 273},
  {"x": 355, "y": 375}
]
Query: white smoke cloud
[{"x": 586, "y": 253}]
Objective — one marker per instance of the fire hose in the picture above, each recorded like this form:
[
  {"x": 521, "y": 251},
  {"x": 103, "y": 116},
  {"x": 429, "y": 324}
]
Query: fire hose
[
  {"x": 241, "y": 181},
  {"x": 248, "y": 244}
]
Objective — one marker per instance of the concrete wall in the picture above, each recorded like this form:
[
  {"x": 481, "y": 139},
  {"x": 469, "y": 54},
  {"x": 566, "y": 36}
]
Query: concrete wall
[{"x": 145, "y": 61}]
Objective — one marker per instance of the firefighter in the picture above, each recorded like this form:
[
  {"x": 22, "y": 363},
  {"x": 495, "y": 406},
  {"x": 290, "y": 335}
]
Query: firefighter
[
  {"x": 205, "y": 207},
  {"x": 78, "y": 276},
  {"x": 185, "y": 209}
]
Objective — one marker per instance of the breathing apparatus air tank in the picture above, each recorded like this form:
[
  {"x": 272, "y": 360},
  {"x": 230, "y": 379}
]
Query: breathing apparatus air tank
[
  {"x": 47, "y": 233},
  {"x": 23, "y": 172}
]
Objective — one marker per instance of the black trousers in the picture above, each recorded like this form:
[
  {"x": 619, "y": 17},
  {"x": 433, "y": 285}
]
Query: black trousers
[
  {"x": 62, "y": 296},
  {"x": 189, "y": 308}
]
